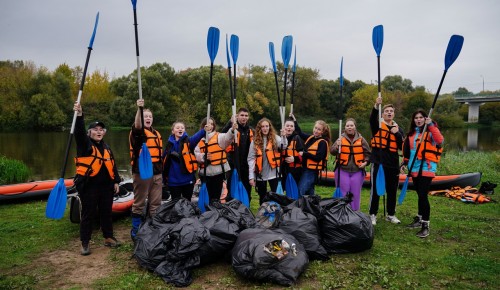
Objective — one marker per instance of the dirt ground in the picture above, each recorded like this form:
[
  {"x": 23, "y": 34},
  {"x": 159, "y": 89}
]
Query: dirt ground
[{"x": 66, "y": 268}]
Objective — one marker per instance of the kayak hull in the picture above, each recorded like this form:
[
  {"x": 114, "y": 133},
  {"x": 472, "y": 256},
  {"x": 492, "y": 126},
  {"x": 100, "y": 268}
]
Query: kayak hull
[
  {"x": 438, "y": 182},
  {"x": 30, "y": 189}
]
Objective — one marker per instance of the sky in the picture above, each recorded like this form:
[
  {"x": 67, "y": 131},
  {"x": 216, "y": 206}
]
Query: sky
[{"x": 416, "y": 34}]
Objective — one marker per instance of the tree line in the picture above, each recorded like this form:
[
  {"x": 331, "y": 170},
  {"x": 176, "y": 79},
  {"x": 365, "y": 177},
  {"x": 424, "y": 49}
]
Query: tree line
[{"x": 34, "y": 98}]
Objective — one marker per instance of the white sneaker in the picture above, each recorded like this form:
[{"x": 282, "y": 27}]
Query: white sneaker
[
  {"x": 393, "y": 219},
  {"x": 374, "y": 219}
]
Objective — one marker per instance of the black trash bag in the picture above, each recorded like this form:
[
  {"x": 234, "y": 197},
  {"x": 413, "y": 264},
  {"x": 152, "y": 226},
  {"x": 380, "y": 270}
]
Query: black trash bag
[
  {"x": 175, "y": 210},
  {"x": 304, "y": 227},
  {"x": 178, "y": 272},
  {"x": 269, "y": 256},
  {"x": 223, "y": 235},
  {"x": 308, "y": 204},
  {"x": 236, "y": 213},
  {"x": 269, "y": 214},
  {"x": 487, "y": 187},
  {"x": 149, "y": 250},
  {"x": 282, "y": 199},
  {"x": 185, "y": 238},
  {"x": 344, "y": 230}
]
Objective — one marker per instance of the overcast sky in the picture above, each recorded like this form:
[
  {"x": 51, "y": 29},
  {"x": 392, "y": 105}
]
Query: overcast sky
[{"x": 416, "y": 34}]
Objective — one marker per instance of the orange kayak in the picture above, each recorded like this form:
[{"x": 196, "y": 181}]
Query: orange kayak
[
  {"x": 30, "y": 189},
  {"x": 438, "y": 182}
]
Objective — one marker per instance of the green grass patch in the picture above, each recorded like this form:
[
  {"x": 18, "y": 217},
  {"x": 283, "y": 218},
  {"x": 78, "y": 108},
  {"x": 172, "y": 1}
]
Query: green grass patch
[{"x": 13, "y": 171}]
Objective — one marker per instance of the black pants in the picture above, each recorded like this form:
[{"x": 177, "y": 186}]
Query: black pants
[
  {"x": 295, "y": 171},
  {"x": 261, "y": 187},
  {"x": 422, "y": 185},
  {"x": 185, "y": 191},
  {"x": 214, "y": 186},
  {"x": 391, "y": 188},
  {"x": 96, "y": 199}
]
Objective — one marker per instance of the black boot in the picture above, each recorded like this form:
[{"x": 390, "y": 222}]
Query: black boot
[
  {"x": 417, "y": 223},
  {"x": 424, "y": 232}
]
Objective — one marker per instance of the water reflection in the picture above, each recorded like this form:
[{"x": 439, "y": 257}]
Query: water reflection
[{"x": 44, "y": 152}]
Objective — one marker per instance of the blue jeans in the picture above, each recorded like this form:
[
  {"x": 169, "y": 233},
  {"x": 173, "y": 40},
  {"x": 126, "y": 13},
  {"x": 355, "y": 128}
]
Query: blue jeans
[{"x": 307, "y": 181}]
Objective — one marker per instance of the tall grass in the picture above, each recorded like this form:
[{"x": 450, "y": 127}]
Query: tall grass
[
  {"x": 13, "y": 171},
  {"x": 455, "y": 162}
]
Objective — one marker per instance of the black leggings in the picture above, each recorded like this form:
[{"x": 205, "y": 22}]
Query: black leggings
[
  {"x": 261, "y": 187},
  {"x": 422, "y": 185},
  {"x": 214, "y": 186},
  {"x": 185, "y": 191}
]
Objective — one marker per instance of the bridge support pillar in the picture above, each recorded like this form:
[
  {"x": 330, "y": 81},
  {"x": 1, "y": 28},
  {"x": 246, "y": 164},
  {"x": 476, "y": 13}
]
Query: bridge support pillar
[{"x": 474, "y": 112}]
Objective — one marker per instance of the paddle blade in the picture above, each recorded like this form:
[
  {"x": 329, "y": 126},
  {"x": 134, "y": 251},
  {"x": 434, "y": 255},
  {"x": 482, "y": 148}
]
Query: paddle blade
[
  {"x": 271, "y": 54},
  {"x": 145, "y": 163},
  {"x": 279, "y": 189},
  {"x": 380, "y": 181},
  {"x": 341, "y": 74},
  {"x": 402, "y": 195},
  {"x": 378, "y": 38},
  {"x": 56, "y": 205},
  {"x": 337, "y": 193},
  {"x": 234, "y": 181},
  {"x": 134, "y": 2},
  {"x": 294, "y": 67},
  {"x": 227, "y": 54},
  {"x": 213, "y": 42},
  {"x": 286, "y": 49},
  {"x": 235, "y": 46},
  {"x": 95, "y": 29},
  {"x": 453, "y": 50},
  {"x": 203, "y": 197},
  {"x": 242, "y": 195},
  {"x": 291, "y": 188}
]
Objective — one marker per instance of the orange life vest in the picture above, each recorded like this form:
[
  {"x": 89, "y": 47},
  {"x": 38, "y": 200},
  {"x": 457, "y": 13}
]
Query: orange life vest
[
  {"x": 355, "y": 149},
  {"x": 154, "y": 144},
  {"x": 190, "y": 164},
  {"x": 91, "y": 165},
  {"x": 314, "y": 165},
  {"x": 430, "y": 151},
  {"x": 384, "y": 139},
  {"x": 291, "y": 150},
  {"x": 273, "y": 157},
  {"x": 230, "y": 148},
  {"x": 218, "y": 154}
]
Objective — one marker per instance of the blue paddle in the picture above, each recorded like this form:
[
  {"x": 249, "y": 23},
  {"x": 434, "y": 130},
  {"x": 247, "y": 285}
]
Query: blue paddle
[
  {"x": 144, "y": 160},
  {"x": 212, "y": 47},
  {"x": 273, "y": 62},
  {"x": 294, "y": 69},
  {"x": 338, "y": 192},
  {"x": 286, "y": 53},
  {"x": 452, "y": 51},
  {"x": 230, "y": 77},
  {"x": 378, "y": 41},
  {"x": 291, "y": 188},
  {"x": 235, "y": 46},
  {"x": 56, "y": 204}
]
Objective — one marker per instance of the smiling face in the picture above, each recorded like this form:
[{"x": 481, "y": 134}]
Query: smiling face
[
  {"x": 350, "y": 127},
  {"x": 209, "y": 127},
  {"x": 289, "y": 127},
  {"x": 265, "y": 127},
  {"x": 178, "y": 130},
  {"x": 318, "y": 130},
  {"x": 148, "y": 118},
  {"x": 97, "y": 133}
]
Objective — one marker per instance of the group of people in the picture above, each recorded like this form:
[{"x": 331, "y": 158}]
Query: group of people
[{"x": 262, "y": 156}]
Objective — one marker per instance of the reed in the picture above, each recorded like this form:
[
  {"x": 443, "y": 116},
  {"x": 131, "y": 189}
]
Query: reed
[{"x": 13, "y": 171}]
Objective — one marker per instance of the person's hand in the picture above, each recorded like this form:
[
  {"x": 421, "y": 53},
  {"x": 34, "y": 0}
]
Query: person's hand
[
  {"x": 289, "y": 159},
  {"x": 117, "y": 188},
  {"x": 428, "y": 120},
  {"x": 362, "y": 165},
  {"x": 77, "y": 107},
  {"x": 283, "y": 132},
  {"x": 395, "y": 129},
  {"x": 233, "y": 119},
  {"x": 140, "y": 103},
  {"x": 403, "y": 169},
  {"x": 252, "y": 182},
  {"x": 378, "y": 102},
  {"x": 339, "y": 142},
  {"x": 235, "y": 126}
]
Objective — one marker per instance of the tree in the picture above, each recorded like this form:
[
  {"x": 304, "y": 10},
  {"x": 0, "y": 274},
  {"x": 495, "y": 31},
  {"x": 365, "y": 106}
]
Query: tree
[
  {"x": 397, "y": 83},
  {"x": 462, "y": 91},
  {"x": 445, "y": 112}
]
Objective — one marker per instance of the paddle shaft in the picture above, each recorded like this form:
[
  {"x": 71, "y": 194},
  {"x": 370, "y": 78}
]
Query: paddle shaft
[
  {"x": 293, "y": 92},
  {"x": 139, "y": 82}
]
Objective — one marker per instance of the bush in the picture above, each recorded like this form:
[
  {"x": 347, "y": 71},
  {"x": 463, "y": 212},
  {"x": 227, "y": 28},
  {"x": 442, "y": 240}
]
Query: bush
[{"x": 13, "y": 171}]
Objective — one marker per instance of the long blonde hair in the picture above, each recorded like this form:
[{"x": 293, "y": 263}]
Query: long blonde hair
[
  {"x": 271, "y": 136},
  {"x": 326, "y": 131}
]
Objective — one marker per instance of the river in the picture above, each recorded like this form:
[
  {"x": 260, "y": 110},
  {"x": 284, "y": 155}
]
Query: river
[{"x": 43, "y": 152}]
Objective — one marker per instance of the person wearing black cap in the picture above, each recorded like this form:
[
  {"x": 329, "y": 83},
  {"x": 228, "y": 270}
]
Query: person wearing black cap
[{"x": 96, "y": 180}]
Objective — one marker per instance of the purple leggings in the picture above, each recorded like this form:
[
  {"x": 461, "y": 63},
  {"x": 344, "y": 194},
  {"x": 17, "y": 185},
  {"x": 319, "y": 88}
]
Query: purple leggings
[{"x": 351, "y": 182}]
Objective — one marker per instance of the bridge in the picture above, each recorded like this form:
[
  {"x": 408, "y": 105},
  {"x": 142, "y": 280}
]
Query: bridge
[{"x": 474, "y": 101}]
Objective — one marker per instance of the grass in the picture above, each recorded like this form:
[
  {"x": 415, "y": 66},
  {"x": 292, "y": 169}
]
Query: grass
[
  {"x": 13, "y": 171},
  {"x": 462, "y": 251}
]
